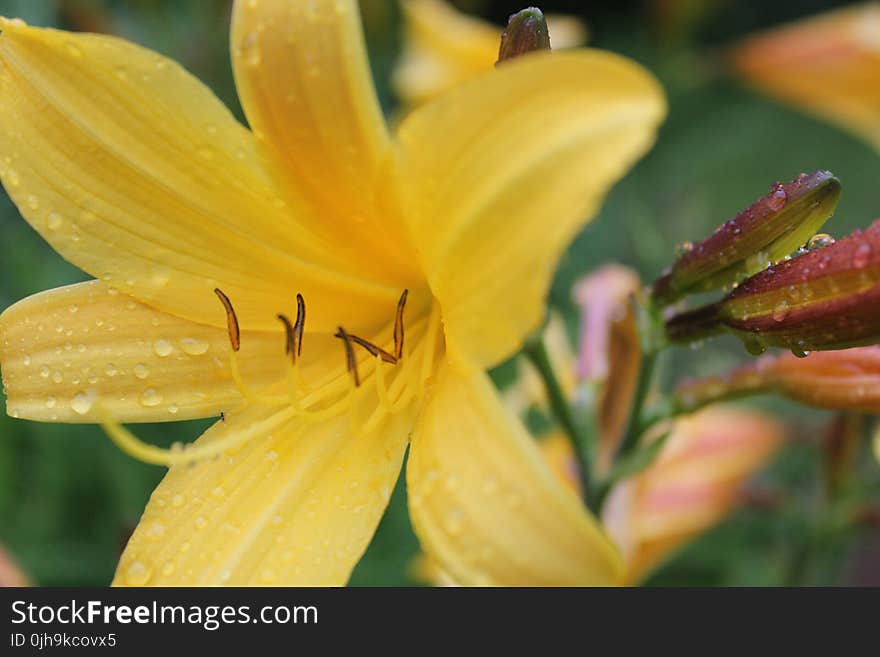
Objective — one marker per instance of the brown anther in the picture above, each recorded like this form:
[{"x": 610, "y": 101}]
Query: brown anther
[
  {"x": 350, "y": 361},
  {"x": 231, "y": 320},
  {"x": 289, "y": 340},
  {"x": 373, "y": 349},
  {"x": 398, "y": 326},
  {"x": 300, "y": 325}
]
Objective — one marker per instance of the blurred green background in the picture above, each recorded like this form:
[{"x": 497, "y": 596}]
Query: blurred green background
[{"x": 69, "y": 498}]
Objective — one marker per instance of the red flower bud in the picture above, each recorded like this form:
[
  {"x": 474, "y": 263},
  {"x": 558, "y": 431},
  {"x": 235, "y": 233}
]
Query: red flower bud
[{"x": 767, "y": 231}]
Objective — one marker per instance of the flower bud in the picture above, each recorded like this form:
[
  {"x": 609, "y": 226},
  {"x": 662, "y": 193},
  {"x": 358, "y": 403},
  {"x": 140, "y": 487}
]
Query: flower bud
[
  {"x": 609, "y": 353},
  {"x": 694, "y": 483},
  {"x": 846, "y": 380},
  {"x": 767, "y": 231},
  {"x": 822, "y": 299},
  {"x": 526, "y": 32}
]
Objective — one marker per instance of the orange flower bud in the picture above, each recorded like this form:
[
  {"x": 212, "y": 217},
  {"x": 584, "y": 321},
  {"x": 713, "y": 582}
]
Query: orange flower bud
[{"x": 848, "y": 379}]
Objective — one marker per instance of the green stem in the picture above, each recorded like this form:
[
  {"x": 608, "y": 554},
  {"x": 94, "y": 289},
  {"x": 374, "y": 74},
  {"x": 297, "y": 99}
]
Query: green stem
[{"x": 536, "y": 351}]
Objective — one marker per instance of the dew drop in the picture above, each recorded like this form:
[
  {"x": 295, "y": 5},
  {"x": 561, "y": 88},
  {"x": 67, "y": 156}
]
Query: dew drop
[
  {"x": 754, "y": 346},
  {"x": 44, "y": 371},
  {"x": 777, "y": 198},
  {"x": 57, "y": 377},
  {"x": 684, "y": 247},
  {"x": 137, "y": 574},
  {"x": 818, "y": 241},
  {"x": 50, "y": 402},
  {"x": 141, "y": 371},
  {"x": 26, "y": 360},
  {"x": 151, "y": 397},
  {"x": 454, "y": 521},
  {"x": 862, "y": 256},
  {"x": 155, "y": 531},
  {"x": 178, "y": 500},
  {"x": 194, "y": 346},
  {"x": 54, "y": 221},
  {"x": 82, "y": 402},
  {"x": 162, "y": 347},
  {"x": 799, "y": 352},
  {"x": 780, "y": 312},
  {"x": 111, "y": 370}
]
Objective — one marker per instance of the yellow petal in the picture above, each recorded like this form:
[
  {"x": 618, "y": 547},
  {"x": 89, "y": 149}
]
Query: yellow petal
[
  {"x": 304, "y": 82},
  {"x": 692, "y": 486},
  {"x": 69, "y": 352},
  {"x": 828, "y": 65},
  {"x": 295, "y": 505},
  {"x": 136, "y": 173},
  {"x": 500, "y": 173},
  {"x": 486, "y": 506},
  {"x": 443, "y": 47}
]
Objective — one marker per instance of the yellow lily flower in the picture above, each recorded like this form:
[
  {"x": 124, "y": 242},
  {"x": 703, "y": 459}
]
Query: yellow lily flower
[
  {"x": 135, "y": 172},
  {"x": 828, "y": 65},
  {"x": 443, "y": 47},
  {"x": 693, "y": 485}
]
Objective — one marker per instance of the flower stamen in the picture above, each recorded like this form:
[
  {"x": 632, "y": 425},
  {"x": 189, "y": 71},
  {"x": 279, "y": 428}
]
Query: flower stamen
[
  {"x": 398, "y": 325},
  {"x": 231, "y": 320},
  {"x": 350, "y": 360}
]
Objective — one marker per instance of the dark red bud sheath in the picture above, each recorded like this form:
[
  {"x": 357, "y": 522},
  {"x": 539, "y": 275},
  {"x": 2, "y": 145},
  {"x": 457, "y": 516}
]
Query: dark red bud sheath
[
  {"x": 526, "y": 32},
  {"x": 767, "y": 231},
  {"x": 823, "y": 299}
]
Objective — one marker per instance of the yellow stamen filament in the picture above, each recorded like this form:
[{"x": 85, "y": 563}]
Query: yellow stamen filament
[
  {"x": 135, "y": 447},
  {"x": 231, "y": 320},
  {"x": 430, "y": 343}
]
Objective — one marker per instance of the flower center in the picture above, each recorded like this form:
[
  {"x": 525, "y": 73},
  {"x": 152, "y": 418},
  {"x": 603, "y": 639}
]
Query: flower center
[{"x": 337, "y": 395}]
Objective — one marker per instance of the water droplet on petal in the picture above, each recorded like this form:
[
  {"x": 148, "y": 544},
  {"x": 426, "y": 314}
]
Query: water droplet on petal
[
  {"x": 862, "y": 256},
  {"x": 54, "y": 221},
  {"x": 141, "y": 371},
  {"x": 138, "y": 574},
  {"x": 818, "y": 241},
  {"x": 780, "y": 312},
  {"x": 82, "y": 402},
  {"x": 194, "y": 346},
  {"x": 777, "y": 198},
  {"x": 155, "y": 531},
  {"x": 162, "y": 347},
  {"x": 151, "y": 397}
]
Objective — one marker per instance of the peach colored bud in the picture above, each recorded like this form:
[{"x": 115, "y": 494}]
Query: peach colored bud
[
  {"x": 695, "y": 482},
  {"x": 848, "y": 379},
  {"x": 609, "y": 351}
]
